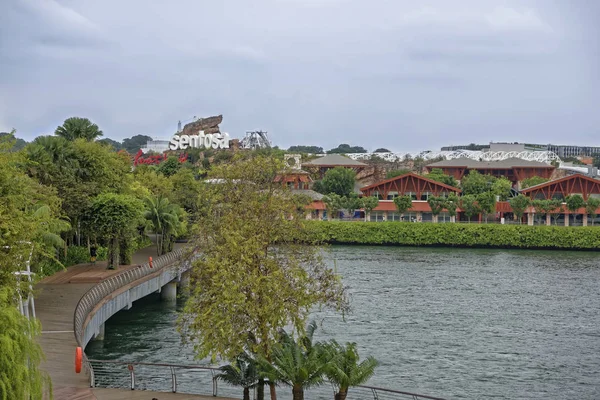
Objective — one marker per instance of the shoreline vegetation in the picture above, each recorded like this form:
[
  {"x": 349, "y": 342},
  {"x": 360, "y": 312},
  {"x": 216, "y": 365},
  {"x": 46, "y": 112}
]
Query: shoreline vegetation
[{"x": 453, "y": 235}]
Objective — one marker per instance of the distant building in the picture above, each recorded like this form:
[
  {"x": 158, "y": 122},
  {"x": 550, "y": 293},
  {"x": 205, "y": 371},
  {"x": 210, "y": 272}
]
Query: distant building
[
  {"x": 563, "y": 151},
  {"x": 155, "y": 146},
  {"x": 330, "y": 161},
  {"x": 514, "y": 169}
]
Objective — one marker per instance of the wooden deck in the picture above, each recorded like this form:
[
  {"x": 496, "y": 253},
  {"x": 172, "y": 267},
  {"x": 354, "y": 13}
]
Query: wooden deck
[{"x": 55, "y": 302}]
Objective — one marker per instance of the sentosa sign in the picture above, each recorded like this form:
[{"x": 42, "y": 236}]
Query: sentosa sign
[{"x": 201, "y": 140}]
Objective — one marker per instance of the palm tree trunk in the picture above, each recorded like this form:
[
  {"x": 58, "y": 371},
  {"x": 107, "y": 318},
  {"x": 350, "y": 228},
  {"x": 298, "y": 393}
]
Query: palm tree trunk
[
  {"x": 246, "y": 393},
  {"x": 272, "y": 390},
  {"x": 260, "y": 390},
  {"x": 297, "y": 393},
  {"x": 341, "y": 395}
]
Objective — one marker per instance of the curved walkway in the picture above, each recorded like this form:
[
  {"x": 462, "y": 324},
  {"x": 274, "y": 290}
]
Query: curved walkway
[{"x": 56, "y": 299}]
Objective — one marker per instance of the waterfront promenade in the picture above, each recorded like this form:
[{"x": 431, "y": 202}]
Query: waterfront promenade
[{"x": 56, "y": 299}]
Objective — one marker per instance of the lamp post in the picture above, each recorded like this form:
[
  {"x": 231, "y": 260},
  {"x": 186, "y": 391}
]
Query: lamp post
[{"x": 29, "y": 305}]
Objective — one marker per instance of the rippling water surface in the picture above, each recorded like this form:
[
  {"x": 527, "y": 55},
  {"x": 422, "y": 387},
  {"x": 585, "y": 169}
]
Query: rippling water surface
[{"x": 454, "y": 323}]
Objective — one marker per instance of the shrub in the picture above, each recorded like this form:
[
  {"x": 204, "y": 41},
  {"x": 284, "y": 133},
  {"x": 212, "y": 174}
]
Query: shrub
[{"x": 453, "y": 235}]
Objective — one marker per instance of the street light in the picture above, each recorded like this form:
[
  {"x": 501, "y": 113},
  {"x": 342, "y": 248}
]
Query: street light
[{"x": 24, "y": 308}]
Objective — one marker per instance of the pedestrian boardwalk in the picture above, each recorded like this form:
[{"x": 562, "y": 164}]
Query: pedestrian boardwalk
[{"x": 55, "y": 301}]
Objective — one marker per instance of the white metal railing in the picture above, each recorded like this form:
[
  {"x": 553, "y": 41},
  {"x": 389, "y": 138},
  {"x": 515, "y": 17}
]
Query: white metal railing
[{"x": 199, "y": 379}]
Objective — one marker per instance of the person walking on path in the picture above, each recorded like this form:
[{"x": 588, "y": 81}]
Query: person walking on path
[{"x": 93, "y": 254}]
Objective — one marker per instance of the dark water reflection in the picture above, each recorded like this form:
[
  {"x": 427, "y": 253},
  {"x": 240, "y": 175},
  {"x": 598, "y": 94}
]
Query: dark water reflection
[{"x": 453, "y": 323}]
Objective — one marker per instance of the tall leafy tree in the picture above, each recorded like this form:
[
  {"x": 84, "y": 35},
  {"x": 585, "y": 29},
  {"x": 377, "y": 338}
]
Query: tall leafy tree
[
  {"x": 345, "y": 368},
  {"x": 519, "y": 204},
  {"x": 78, "y": 128},
  {"x": 436, "y": 204},
  {"x": 133, "y": 144},
  {"x": 574, "y": 203},
  {"x": 591, "y": 207},
  {"x": 166, "y": 221},
  {"x": 351, "y": 203},
  {"x": 346, "y": 149},
  {"x": 438, "y": 175},
  {"x": 403, "y": 204},
  {"x": 253, "y": 278},
  {"x": 170, "y": 166},
  {"x": 487, "y": 203},
  {"x": 470, "y": 206},
  {"x": 501, "y": 187},
  {"x": 476, "y": 183},
  {"x": 368, "y": 204},
  {"x": 452, "y": 203},
  {"x": 533, "y": 181},
  {"x": 113, "y": 217},
  {"x": 338, "y": 180},
  {"x": 334, "y": 204}
]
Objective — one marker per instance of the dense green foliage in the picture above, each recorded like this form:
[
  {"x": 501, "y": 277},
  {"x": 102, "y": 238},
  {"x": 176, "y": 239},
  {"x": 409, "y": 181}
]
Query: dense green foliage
[
  {"x": 78, "y": 128},
  {"x": 133, "y": 144},
  {"x": 382, "y": 150},
  {"x": 252, "y": 279},
  {"x": 403, "y": 203},
  {"x": 459, "y": 235},
  {"x": 346, "y": 149},
  {"x": 306, "y": 149},
  {"x": 533, "y": 181},
  {"x": 438, "y": 175},
  {"x": 396, "y": 172},
  {"x": 338, "y": 180}
]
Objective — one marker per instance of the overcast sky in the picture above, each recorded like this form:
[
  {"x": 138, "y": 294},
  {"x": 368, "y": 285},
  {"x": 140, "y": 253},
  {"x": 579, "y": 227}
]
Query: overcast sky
[{"x": 403, "y": 74}]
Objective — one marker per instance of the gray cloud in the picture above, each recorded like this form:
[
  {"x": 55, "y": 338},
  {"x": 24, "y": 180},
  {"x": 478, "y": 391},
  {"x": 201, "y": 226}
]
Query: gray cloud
[{"x": 395, "y": 73}]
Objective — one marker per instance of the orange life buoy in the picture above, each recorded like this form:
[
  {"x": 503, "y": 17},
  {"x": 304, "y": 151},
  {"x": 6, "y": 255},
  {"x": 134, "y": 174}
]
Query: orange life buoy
[
  {"x": 150, "y": 261},
  {"x": 78, "y": 359}
]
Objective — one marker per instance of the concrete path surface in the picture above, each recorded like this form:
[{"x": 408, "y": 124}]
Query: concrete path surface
[{"x": 55, "y": 301}]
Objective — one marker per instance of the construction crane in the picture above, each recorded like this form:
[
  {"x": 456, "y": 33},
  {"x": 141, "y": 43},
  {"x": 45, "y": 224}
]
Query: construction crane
[{"x": 256, "y": 140}]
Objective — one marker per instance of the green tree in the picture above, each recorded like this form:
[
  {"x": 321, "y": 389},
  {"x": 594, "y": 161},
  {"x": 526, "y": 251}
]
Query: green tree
[
  {"x": 368, "y": 204},
  {"x": 10, "y": 137},
  {"x": 186, "y": 190},
  {"x": 113, "y": 217},
  {"x": 382, "y": 150},
  {"x": 345, "y": 368},
  {"x": 78, "y": 128},
  {"x": 533, "y": 181},
  {"x": 501, "y": 187},
  {"x": 253, "y": 278},
  {"x": 243, "y": 374},
  {"x": 476, "y": 183},
  {"x": 596, "y": 161},
  {"x": 403, "y": 203},
  {"x": 470, "y": 206},
  {"x": 165, "y": 218},
  {"x": 170, "y": 166},
  {"x": 112, "y": 143},
  {"x": 487, "y": 203},
  {"x": 452, "y": 203},
  {"x": 519, "y": 205},
  {"x": 299, "y": 364},
  {"x": 591, "y": 207},
  {"x": 135, "y": 143},
  {"x": 347, "y": 149},
  {"x": 539, "y": 206},
  {"x": 556, "y": 208},
  {"x": 306, "y": 149},
  {"x": 338, "y": 180},
  {"x": 438, "y": 175},
  {"x": 351, "y": 203},
  {"x": 574, "y": 203},
  {"x": 334, "y": 204},
  {"x": 397, "y": 172},
  {"x": 436, "y": 204}
]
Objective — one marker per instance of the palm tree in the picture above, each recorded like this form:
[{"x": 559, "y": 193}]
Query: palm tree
[
  {"x": 165, "y": 220},
  {"x": 344, "y": 370},
  {"x": 299, "y": 364},
  {"x": 78, "y": 128},
  {"x": 243, "y": 373}
]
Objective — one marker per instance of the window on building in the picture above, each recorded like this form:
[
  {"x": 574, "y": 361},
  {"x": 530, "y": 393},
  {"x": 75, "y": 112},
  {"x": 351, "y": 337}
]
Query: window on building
[
  {"x": 392, "y": 195},
  {"x": 376, "y": 216},
  {"x": 393, "y": 216}
]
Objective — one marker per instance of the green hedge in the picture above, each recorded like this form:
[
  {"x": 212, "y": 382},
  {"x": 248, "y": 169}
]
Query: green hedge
[{"x": 457, "y": 235}]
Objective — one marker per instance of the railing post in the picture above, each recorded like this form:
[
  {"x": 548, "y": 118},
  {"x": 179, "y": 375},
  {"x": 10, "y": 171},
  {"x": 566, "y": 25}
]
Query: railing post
[
  {"x": 130, "y": 368},
  {"x": 174, "y": 380},
  {"x": 215, "y": 388}
]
